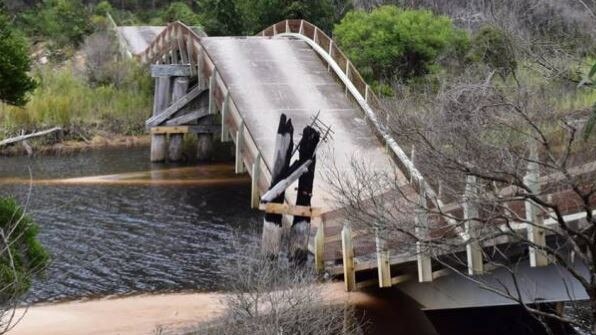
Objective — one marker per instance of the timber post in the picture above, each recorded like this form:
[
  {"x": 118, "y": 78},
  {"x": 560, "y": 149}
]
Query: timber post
[
  {"x": 254, "y": 186},
  {"x": 424, "y": 261},
  {"x": 347, "y": 249},
  {"x": 473, "y": 247},
  {"x": 272, "y": 225},
  {"x": 535, "y": 225},
  {"x": 301, "y": 224},
  {"x": 320, "y": 246},
  {"x": 161, "y": 100},
  {"x": 383, "y": 265},
  {"x": 175, "y": 146}
]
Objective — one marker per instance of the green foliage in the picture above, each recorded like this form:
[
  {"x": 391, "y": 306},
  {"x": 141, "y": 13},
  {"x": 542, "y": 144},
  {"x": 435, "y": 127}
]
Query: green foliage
[
  {"x": 66, "y": 99},
  {"x": 25, "y": 256},
  {"x": 179, "y": 11},
  {"x": 391, "y": 42},
  {"x": 64, "y": 22},
  {"x": 103, "y": 8},
  {"x": 248, "y": 17},
  {"x": 493, "y": 47},
  {"x": 15, "y": 64}
]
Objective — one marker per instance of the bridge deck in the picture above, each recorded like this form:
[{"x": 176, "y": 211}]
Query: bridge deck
[
  {"x": 138, "y": 38},
  {"x": 271, "y": 76}
]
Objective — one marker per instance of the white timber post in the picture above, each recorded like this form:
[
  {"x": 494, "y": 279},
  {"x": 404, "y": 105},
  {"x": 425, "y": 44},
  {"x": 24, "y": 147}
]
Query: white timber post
[
  {"x": 347, "y": 74},
  {"x": 320, "y": 245},
  {"x": 315, "y": 36},
  {"x": 383, "y": 265},
  {"x": 330, "y": 52},
  {"x": 348, "y": 257},
  {"x": 239, "y": 142},
  {"x": 535, "y": 222},
  {"x": 366, "y": 89},
  {"x": 425, "y": 272},
  {"x": 225, "y": 109},
  {"x": 287, "y": 26},
  {"x": 301, "y": 30},
  {"x": 275, "y": 29},
  {"x": 212, "y": 106},
  {"x": 473, "y": 247},
  {"x": 254, "y": 185}
]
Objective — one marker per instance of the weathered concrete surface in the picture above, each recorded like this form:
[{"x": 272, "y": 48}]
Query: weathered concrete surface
[
  {"x": 270, "y": 76},
  {"x": 139, "y": 38}
]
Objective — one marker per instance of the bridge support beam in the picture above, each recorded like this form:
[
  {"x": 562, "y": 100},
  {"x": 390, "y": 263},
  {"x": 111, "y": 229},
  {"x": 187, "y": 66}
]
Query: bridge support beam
[
  {"x": 175, "y": 145},
  {"x": 204, "y": 146},
  {"x": 161, "y": 100}
]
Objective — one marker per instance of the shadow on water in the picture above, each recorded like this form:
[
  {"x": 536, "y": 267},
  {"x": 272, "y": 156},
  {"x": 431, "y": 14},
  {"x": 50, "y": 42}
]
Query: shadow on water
[{"x": 130, "y": 227}]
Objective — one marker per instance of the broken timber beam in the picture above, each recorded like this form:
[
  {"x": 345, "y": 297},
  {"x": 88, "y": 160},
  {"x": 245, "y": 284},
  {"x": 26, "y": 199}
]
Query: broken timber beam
[
  {"x": 187, "y": 118},
  {"x": 28, "y": 136},
  {"x": 175, "y": 107},
  {"x": 295, "y": 210}
]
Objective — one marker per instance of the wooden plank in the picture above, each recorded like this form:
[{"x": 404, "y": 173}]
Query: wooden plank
[
  {"x": 348, "y": 258},
  {"x": 175, "y": 107},
  {"x": 212, "y": 104},
  {"x": 286, "y": 209},
  {"x": 187, "y": 118},
  {"x": 170, "y": 70},
  {"x": 169, "y": 130}
]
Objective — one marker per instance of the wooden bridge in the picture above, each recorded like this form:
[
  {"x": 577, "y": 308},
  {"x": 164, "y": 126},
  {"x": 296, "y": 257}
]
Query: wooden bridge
[{"x": 233, "y": 89}]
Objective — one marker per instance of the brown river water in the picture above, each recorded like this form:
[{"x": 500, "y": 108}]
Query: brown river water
[{"x": 117, "y": 224}]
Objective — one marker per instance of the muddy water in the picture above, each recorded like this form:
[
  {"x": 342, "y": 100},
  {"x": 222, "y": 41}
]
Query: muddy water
[{"x": 116, "y": 224}]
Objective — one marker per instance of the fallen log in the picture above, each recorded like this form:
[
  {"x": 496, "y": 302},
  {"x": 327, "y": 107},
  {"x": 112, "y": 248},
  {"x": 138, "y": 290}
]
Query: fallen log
[{"x": 28, "y": 136}]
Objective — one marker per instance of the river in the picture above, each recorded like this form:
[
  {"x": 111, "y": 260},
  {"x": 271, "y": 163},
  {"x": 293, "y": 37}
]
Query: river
[{"x": 116, "y": 224}]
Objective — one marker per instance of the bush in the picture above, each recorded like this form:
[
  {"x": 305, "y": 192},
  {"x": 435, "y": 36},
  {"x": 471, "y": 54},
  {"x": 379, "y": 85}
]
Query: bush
[
  {"x": 15, "y": 83},
  {"x": 24, "y": 257},
  {"x": 64, "y": 22},
  {"x": 391, "y": 42},
  {"x": 179, "y": 11},
  {"x": 493, "y": 47}
]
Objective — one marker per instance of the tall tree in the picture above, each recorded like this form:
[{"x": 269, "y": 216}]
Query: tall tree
[{"x": 15, "y": 64}]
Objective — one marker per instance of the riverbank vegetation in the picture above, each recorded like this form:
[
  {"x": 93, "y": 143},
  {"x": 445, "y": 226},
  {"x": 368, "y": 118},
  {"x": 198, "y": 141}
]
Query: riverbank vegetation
[
  {"x": 21, "y": 257},
  {"x": 274, "y": 296}
]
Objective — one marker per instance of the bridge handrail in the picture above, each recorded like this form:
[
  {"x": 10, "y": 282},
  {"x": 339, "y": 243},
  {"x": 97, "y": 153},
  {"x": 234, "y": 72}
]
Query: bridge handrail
[{"x": 362, "y": 94}]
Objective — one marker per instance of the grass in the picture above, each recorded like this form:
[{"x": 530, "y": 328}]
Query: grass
[{"x": 65, "y": 98}]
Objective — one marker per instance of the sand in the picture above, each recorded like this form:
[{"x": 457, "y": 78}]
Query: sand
[{"x": 142, "y": 314}]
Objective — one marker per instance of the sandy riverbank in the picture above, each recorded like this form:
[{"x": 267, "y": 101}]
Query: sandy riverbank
[
  {"x": 142, "y": 314},
  {"x": 73, "y": 146}
]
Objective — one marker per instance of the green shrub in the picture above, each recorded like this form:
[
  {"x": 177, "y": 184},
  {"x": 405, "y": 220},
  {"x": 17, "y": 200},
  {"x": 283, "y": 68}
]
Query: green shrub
[
  {"x": 390, "y": 42},
  {"x": 15, "y": 83},
  {"x": 25, "y": 256},
  {"x": 179, "y": 11},
  {"x": 64, "y": 22},
  {"x": 493, "y": 47}
]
